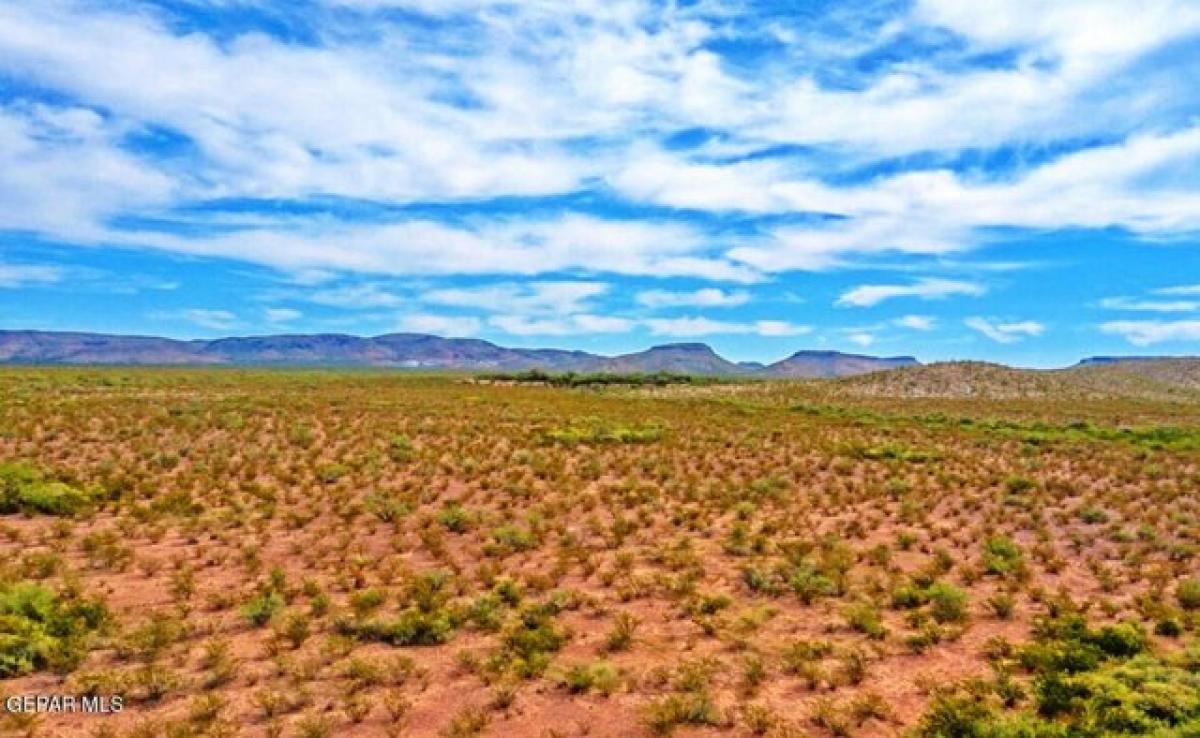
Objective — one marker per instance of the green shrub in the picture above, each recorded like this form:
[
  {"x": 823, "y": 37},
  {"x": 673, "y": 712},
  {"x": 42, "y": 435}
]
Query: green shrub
[
  {"x": 263, "y": 607},
  {"x": 947, "y": 603},
  {"x": 865, "y": 618},
  {"x": 455, "y": 518},
  {"x": 25, "y": 489},
  {"x": 1002, "y": 604},
  {"x": 809, "y": 584},
  {"x": 601, "y": 676},
  {"x": 400, "y": 448},
  {"x": 603, "y": 434},
  {"x": 527, "y": 646},
  {"x": 413, "y": 627},
  {"x": 385, "y": 507},
  {"x": 367, "y": 601},
  {"x": 674, "y": 710},
  {"x": 43, "y": 630},
  {"x": 1017, "y": 485},
  {"x": 509, "y": 538},
  {"x": 760, "y": 581},
  {"x": 621, "y": 635},
  {"x": 1188, "y": 594},
  {"x": 1087, "y": 682},
  {"x": 908, "y": 597},
  {"x": 1002, "y": 556}
]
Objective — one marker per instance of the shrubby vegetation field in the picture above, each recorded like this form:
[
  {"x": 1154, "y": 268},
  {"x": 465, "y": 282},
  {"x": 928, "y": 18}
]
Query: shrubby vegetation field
[{"x": 286, "y": 553}]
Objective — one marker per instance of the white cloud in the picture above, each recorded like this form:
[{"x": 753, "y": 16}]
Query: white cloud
[
  {"x": 688, "y": 327},
  {"x": 442, "y": 325},
  {"x": 1149, "y": 332},
  {"x": 1005, "y": 332},
  {"x": 705, "y": 297},
  {"x": 513, "y": 247},
  {"x": 215, "y": 319},
  {"x": 282, "y": 315},
  {"x": 496, "y": 101},
  {"x": 1150, "y": 306},
  {"x": 926, "y": 289},
  {"x": 1186, "y": 290},
  {"x": 780, "y": 328},
  {"x": 602, "y": 324},
  {"x": 21, "y": 275},
  {"x": 521, "y": 325},
  {"x": 354, "y": 297},
  {"x": 62, "y": 173},
  {"x": 862, "y": 339},
  {"x": 1132, "y": 184},
  {"x": 916, "y": 322},
  {"x": 534, "y": 297}
]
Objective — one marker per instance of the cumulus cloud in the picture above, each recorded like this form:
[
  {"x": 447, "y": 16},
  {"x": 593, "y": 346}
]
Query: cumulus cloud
[
  {"x": 1005, "y": 332},
  {"x": 868, "y": 295}
]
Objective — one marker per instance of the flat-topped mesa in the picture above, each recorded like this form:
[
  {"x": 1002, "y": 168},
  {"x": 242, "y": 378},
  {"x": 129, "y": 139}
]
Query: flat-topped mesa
[{"x": 813, "y": 364}]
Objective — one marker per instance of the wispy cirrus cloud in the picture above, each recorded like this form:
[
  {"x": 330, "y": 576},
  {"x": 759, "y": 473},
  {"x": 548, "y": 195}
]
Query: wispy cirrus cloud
[
  {"x": 568, "y": 325},
  {"x": 916, "y": 322},
  {"x": 705, "y": 297},
  {"x": 443, "y": 325},
  {"x": 1150, "y": 306},
  {"x": 869, "y": 295},
  {"x": 21, "y": 275},
  {"x": 534, "y": 297},
  {"x": 282, "y": 315},
  {"x": 1001, "y": 332},
  {"x": 1151, "y": 332},
  {"x": 211, "y": 318},
  {"x": 696, "y": 326}
]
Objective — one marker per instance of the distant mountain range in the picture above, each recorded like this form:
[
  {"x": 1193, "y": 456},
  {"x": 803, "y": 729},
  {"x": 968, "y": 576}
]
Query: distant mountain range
[{"x": 411, "y": 350}]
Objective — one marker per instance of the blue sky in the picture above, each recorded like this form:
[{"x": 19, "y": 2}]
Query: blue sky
[{"x": 1015, "y": 181}]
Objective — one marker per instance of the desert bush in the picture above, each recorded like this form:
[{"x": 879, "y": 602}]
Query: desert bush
[
  {"x": 263, "y": 607},
  {"x": 412, "y": 627},
  {"x": 621, "y": 635},
  {"x": 24, "y": 488},
  {"x": 40, "y": 629},
  {"x": 1002, "y": 556},
  {"x": 947, "y": 603},
  {"x": 865, "y": 618},
  {"x": 1188, "y": 594},
  {"x": 663, "y": 716}
]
